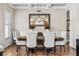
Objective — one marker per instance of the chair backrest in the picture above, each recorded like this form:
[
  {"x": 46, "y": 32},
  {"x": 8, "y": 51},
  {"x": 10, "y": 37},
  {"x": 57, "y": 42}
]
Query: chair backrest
[
  {"x": 58, "y": 33},
  {"x": 49, "y": 38},
  {"x": 61, "y": 34},
  {"x": 22, "y": 33},
  {"x": 13, "y": 35},
  {"x": 16, "y": 34},
  {"x": 64, "y": 35},
  {"x": 31, "y": 39}
]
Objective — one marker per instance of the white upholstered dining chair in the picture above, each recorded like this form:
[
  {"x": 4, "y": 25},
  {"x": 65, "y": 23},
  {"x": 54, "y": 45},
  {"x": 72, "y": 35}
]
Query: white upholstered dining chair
[
  {"x": 1, "y": 50},
  {"x": 16, "y": 34},
  {"x": 31, "y": 41},
  {"x": 49, "y": 41},
  {"x": 63, "y": 42}
]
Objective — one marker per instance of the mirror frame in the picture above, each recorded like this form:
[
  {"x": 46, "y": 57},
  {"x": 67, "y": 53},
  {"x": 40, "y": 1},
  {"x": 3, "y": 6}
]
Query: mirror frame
[{"x": 38, "y": 15}]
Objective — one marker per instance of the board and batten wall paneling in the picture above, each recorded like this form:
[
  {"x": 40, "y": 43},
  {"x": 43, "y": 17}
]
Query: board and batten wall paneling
[{"x": 74, "y": 24}]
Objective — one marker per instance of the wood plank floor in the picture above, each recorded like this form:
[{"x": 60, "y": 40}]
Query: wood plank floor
[{"x": 11, "y": 51}]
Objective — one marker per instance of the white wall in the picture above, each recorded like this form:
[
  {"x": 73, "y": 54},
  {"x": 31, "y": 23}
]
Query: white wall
[
  {"x": 1, "y": 19},
  {"x": 58, "y": 19}
]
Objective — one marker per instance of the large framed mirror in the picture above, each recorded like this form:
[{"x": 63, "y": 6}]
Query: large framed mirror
[{"x": 39, "y": 20}]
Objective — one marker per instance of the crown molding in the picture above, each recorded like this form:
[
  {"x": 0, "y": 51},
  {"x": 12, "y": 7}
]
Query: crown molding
[{"x": 36, "y": 7}]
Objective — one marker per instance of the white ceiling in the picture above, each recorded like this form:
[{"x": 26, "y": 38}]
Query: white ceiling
[{"x": 37, "y": 6}]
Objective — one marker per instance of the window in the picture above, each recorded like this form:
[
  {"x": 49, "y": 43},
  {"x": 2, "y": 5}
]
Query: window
[{"x": 7, "y": 19}]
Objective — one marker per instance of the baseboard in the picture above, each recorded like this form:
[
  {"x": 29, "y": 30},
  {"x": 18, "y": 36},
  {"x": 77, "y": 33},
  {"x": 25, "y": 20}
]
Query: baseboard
[{"x": 73, "y": 48}]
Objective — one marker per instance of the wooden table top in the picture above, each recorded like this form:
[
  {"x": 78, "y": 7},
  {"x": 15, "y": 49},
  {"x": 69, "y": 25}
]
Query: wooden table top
[
  {"x": 22, "y": 38},
  {"x": 59, "y": 38}
]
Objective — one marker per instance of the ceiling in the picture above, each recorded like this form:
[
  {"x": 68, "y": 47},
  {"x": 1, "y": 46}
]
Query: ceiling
[{"x": 38, "y": 5}]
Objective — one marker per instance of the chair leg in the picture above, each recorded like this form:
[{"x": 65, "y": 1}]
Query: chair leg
[
  {"x": 17, "y": 49},
  {"x": 35, "y": 50},
  {"x": 54, "y": 50},
  {"x": 1, "y": 53},
  {"x": 45, "y": 51},
  {"x": 27, "y": 51},
  {"x": 64, "y": 48},
  {"x": 61, "y": 49}
]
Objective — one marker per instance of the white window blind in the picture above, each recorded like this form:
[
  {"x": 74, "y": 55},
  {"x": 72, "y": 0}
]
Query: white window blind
[{"x": 7, "y": 18}]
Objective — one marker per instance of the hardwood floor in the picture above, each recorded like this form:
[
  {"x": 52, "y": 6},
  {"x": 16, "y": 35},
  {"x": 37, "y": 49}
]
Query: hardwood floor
[{"x": 11, "y": 51}]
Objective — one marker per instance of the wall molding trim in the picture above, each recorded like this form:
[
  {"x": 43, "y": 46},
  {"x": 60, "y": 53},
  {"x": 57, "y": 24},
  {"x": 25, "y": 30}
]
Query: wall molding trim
[{"x": 5, "y": 42}]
